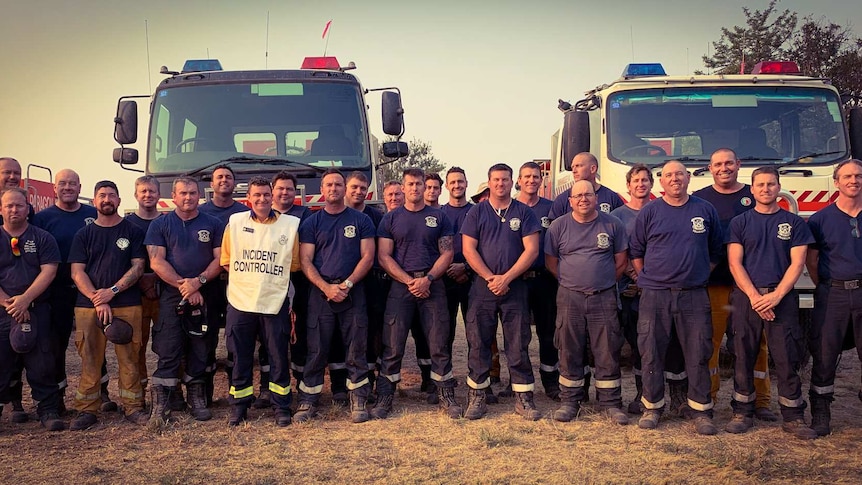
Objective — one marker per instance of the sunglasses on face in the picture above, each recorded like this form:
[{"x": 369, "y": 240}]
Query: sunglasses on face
[{"x": 16, "y": 251}]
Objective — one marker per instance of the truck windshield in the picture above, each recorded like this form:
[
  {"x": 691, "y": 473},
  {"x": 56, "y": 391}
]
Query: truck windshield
[
  {"x": 763, "y": 124},
  {"x": 309, "y": 123}
]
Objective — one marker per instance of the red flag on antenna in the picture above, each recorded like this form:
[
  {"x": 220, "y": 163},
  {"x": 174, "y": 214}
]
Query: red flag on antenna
[{"x": 326, "y": 29}]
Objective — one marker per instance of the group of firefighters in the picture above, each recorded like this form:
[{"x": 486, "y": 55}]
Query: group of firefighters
[{"x": 342, "y": 287}]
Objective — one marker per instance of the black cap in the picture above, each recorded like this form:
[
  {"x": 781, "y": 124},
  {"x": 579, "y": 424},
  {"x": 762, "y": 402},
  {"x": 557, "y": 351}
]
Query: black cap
[
  {"x": 193, "y": 318},
  {"x": 23, "y": 336},
  {"x": 118, "y": 331}
]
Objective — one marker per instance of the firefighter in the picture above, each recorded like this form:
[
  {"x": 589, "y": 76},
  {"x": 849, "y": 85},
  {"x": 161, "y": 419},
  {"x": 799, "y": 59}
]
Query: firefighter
[
  {"x": 415, "y": 249},
  {"x": 458, "y": 275},
  {"x": 433, "y": 189},
  {"x": 259, "y": 250},
  {"x": 766, "y": 252},
  {"x": 184, "y": 248},
  {"x": 500, "y": 242},
  {"x": 835, "y": 264},
  {"x": 393, "y": 195},
  {"x": 28, "y": 262},
  {"x": 221, "y": 206},
  {"x": 147, "y": 196},
  {"x": 65, "y": 218},
  {"x": 107, "y": 259},
  {"x": 337, "y": 250},
  {"x": 585, "y": 167},
  {"x": 639, "y": 181},
  {"x": 586, "y": 252},
  {"x": 673, "y": 278},
  {"x": 541, "y": 285},
  {"x": 730, "y": 198}
]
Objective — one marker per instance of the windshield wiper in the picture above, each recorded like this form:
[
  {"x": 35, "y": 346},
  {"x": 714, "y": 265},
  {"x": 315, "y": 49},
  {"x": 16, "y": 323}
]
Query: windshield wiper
[
  {"x": 798, "y": 160},
  {"x": 262, "y": 160}
]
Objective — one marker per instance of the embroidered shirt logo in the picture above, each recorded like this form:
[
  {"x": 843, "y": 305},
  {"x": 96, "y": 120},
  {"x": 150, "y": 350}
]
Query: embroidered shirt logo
[
  {"x": 122, "y": 243},
  {"x": 431, "y": 221},
  {"x": 350, "y": 231},
  {"x": 604, "y": 240},
  {"x": 89, "y": 220},
  {"x": 745, "y": 201},
  {"x": 605, "y": 207},
  {"x": 30, "y": 246},
  {"x": 697, "y": 225},
  {"x": 546, "y": 222},
  {"x": 204, "y": 236},
  {"x": 784, "y": 231},
  {"x": 282, "y": 239},
  {"x": 515, "y": 224}
]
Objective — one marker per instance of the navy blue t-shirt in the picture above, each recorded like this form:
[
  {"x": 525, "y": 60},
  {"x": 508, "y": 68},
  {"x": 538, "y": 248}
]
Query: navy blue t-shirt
[
  {"x": 299, "y": 211},
  {"x": 189, "y": 244},
  {"x": 840, "y": 253},
  {"x": 376, "y": 215},
  {"x": 587, "y": 251},
  {"x": 416, "y": 236},
  {"x": 63, "y": 225},
  {"x": 144, "y": 226},
  {"x": 337, "y": 240},
  {"x": 107, "y": 253},
  {"x": 500, "y": 243},
  {"x": 728, "y": 206},
  {"x": 766, "y": 241},
  {"x": 223, "y": 213},
  {"x": 17, "y": 273},
  {"x": 606, "y": 201},
  {"x": 541, "y": 210},
  {"x": 627, "y": 216},
  {"x": 457, "y": 215},
  {"x": 677, "y": 244}
]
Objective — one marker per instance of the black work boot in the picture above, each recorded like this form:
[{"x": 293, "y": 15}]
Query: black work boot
[
  {"x": 476, "y": 407},
  {"x": 209, "y": 389},
  {"x": 821, "y": 415},
  {"x": 264, "y": 399},
  {"x": 567, "y": 411},
  {"x": 525, "y": 406},
  {"x": 338, "y": 384},
  {"x": 176, "y": 400},
  {"x": 447, "y": 402},
  {"x": 198, "y": 401},
  {"x": 678, "y": 390},
  {"x": 107, "y": 406},
  {"x": 358, "y": 411},
  {"x": 19, "y": 415},
  {"x": 551, "y": 383},
  {"x": 238, "y": 414},
  {"x": 636, "y": 407},
  {"x": 427, "y": 384},
  {"x": 160, "y": 411},
  {"x": 307, "y": 408}
]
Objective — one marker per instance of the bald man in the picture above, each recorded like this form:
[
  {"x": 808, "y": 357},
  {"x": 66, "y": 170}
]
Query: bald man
[{"x": 586, "y": 167}]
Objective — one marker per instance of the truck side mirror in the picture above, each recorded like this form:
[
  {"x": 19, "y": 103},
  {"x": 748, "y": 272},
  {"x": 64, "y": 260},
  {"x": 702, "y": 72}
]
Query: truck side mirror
[
  {"x": 126, "y": 122},
  {"x": 393, "y": 113},
  {"x": 576, "y": 135},
  {"x": 855, "y": 130},
  {"x": 125, "y": 156},
  {"x": 395, "y": 149}
]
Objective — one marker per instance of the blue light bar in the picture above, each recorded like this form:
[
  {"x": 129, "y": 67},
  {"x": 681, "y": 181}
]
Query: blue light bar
[
  {"x": 639, "y": 70},
  {"x": 198, "y": 65}
]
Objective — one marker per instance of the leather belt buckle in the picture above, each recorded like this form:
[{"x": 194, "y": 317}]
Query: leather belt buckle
[{"x": 419, "y": 274}]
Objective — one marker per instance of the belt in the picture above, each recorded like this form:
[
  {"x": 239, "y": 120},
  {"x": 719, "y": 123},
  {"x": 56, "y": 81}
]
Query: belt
[
  {"x": 528, "y": 275},
  {"x": 846, "y": 284},
  {"x": 380, "y": 274},
  {"x": 688, "y": 288},
  {"x": 595, "y": 292},
  {"x": 766, "y": 289},
  {"x": 333, "y": 281},
  {"x": 417, "y": 274}
]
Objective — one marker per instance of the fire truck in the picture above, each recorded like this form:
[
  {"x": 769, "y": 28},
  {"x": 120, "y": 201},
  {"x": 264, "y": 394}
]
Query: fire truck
[
  {"x": 773, "y": 116},
  {"x": 303, "y": 121}
]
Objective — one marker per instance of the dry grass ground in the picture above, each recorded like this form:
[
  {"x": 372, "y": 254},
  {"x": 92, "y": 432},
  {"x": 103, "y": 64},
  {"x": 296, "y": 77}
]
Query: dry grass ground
[{"x": 420, "y": 445}]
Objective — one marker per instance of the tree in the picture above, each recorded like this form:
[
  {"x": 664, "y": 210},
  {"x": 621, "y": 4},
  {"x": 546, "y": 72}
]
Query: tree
[
  {"x": 759, "y": 40},
  {"x": 825, "y": 49},
  {"x": 420, "y": 157}
]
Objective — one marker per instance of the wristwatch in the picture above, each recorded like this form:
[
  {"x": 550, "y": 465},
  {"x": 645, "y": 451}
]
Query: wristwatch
[
  {"x": 115, "y": 290},
  {"x": 348, "y": 284},
  {"x": 430, "y": 277},
  {"x": 202, "y": 278}
]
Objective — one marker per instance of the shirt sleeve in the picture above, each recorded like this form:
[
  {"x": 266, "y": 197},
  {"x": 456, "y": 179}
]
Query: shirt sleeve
[
  {"x": 50, "y": 252},
  {"x": 637, "y": 242},
  {"x": 366, "y": 227},
  {"x": 559, "y": 206},
  {"x": 384, "y": 229},
  {"x": 621, "y": 242},
  {"x": 801, "y": 234},
  {"x": 552, "y": 240},
  {"x": 137, "y": 242},
  {"x": 294, "y": 260},
  {"x": 155, "y": 235},
  {"x": 224, "y": 259}
]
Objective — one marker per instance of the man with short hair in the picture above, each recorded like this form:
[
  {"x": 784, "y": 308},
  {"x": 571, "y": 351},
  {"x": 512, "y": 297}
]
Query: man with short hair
[
  {"x": 63, "y": 220},
  {"x": 433, "y": 189},
  {"x": 259, "y": 249},
  {"x": 337, "y": 250},
  {"x": 766, "y": 252},
  {"x": 184, "y": 248},
  {"x": 415, "y": 249},
  {"x": 221, "y": 206},
  {"x": 28, "y": 261},
  {"x": 835, "y": 265},
  {"x": 639, "y": 181},
  {"x": 730, "y": 197},
  {"x": 147, "y": 196},
  {"x": 393, "y": 195},
  {"x": 500, "y": 242},
  {"x": 457, "y": 278},
  {"x": 585, "y": 167},
  {"x": 673, "y": 278},
  {"x": 541, "y": 284},
  {"x": 107, "y": 259},
  {"x": 587, "y": 254}
]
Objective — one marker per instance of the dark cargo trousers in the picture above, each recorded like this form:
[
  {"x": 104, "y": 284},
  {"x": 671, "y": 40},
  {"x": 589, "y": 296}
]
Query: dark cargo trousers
[
  {"x": 688, "y": 312},
  {"x": 171, "y": 343},
  {"x": 836, "y": 310},
  {"x": 541, "y": 296}
]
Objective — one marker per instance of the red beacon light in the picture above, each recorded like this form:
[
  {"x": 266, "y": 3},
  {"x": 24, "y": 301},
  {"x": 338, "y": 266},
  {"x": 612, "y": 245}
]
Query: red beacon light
[
  {"x": 329, "y": 63},
  {"x": 776, "y": 67}
]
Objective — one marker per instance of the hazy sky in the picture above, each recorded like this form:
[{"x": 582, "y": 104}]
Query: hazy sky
[{"x": 480, "y": 80}]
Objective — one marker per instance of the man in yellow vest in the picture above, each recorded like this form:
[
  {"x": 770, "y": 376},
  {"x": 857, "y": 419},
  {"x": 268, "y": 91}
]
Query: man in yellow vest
[{"x": 259, "y": 250}]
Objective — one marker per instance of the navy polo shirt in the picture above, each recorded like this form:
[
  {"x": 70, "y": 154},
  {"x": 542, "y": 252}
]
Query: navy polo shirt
[
  {"x": 416, "y": 236},
  {"x": 766, "y": 240},
  {"x": 189, "y": 244},
  {"x": 500, "y": 243},
  {"x": 337, "y": 240}
]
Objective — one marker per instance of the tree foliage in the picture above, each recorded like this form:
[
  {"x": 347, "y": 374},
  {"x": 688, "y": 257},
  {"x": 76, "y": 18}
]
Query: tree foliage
[
  {"x": 760, "y": 39},
  {"x": 824, "y": 49},
  {"x": 420, "y": 156}
]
